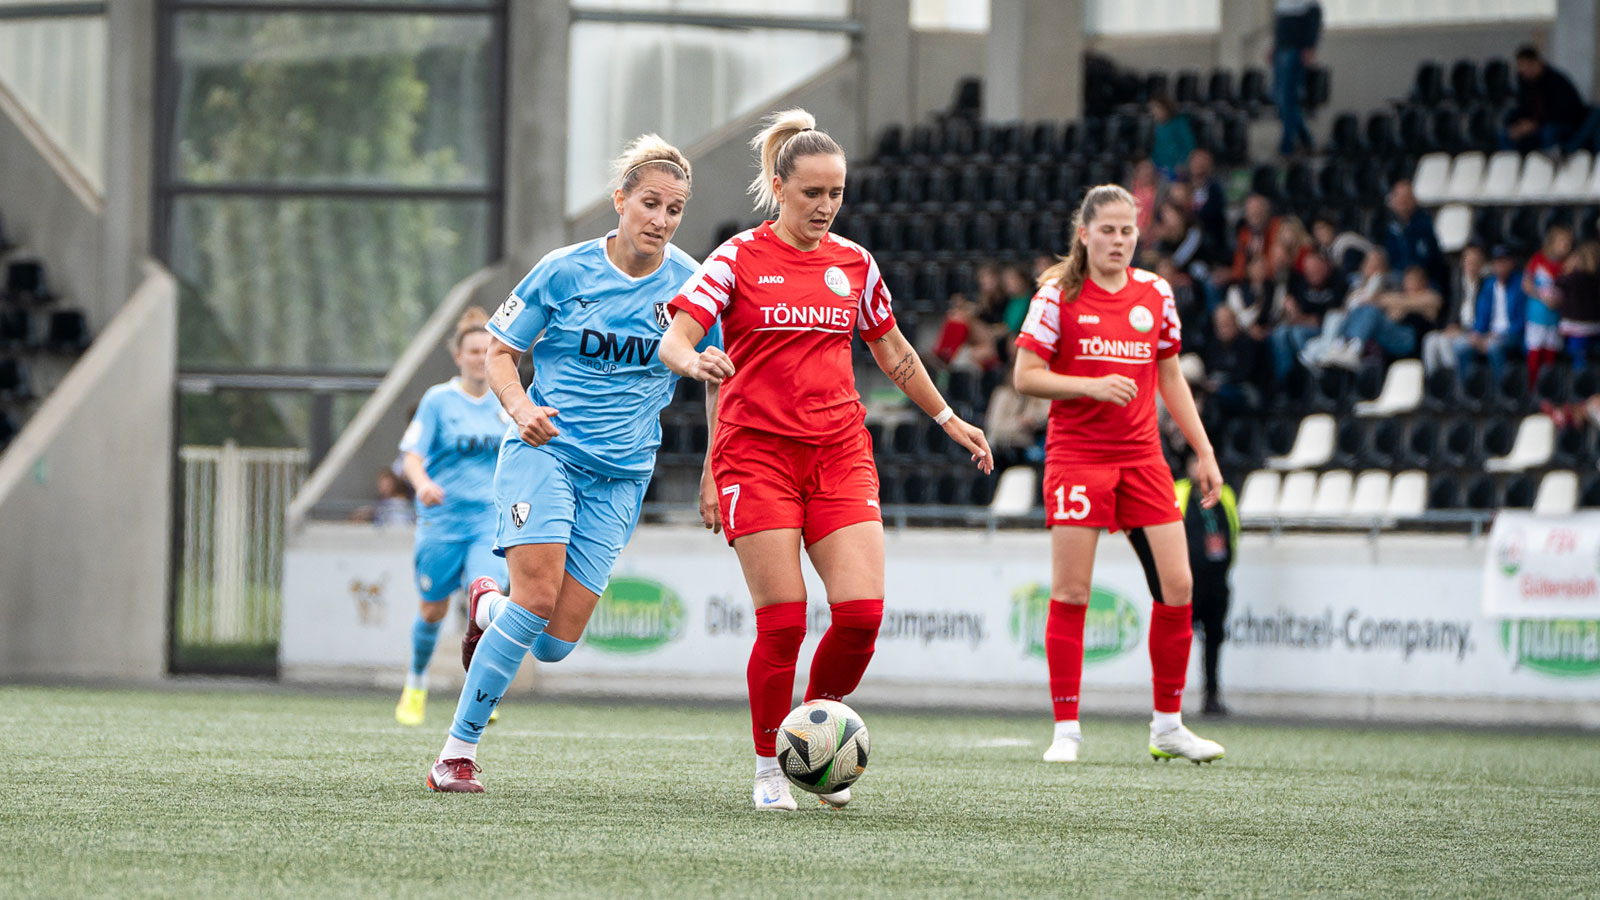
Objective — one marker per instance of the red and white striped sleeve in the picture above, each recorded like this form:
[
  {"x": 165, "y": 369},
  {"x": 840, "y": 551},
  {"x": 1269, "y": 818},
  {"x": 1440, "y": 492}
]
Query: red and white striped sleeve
[
  {"x": 1171, "y": 340},
  {"x": 709, "y": 291},
  {"x": 874, "y": 313},
  {"x": 1041, "y": 331}
]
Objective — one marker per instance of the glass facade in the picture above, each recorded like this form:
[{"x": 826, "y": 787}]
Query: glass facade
[{"x": 56, "y": 68}]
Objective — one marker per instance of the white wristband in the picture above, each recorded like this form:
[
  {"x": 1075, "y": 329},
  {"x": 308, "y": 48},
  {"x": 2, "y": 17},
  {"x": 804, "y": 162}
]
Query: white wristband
[{"x": 944, "y": 416}]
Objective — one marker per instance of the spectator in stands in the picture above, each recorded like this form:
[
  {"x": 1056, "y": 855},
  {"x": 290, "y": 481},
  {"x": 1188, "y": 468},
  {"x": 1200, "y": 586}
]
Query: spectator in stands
[
  {"x": 1578, "y": 290},
  {"x": 1236, "y": 369},
  {"x": 965, "y": 341},
  {"x": 1254, "y": 300},
  {"x": 1257, "y": 233},
  {"x": 1174, "y": 136},
  {"x": 1542, "y": 333},
  {"x": 1346, "y": 250},
  {"x": 1292, "y": 247},
  {"x": 1210, "y": 200},
  {"x": 1498, "y": 316},
  {"x": 1297, "y": 27},
  {"x": 1018, "y": 290},
  {"x": 1177, "y": 236},
  {"x": 1549, "y": 112},
  {"x": 1439, "y": 347},
  {"x": 986, "y": 282},
  {"x": 1015, "y": 425},
  {"x": 1409, "y": 237},
  {"x": 1311, "y": 296},
  {"x": 1391, "y": 323},
  {"x": 1144, "y": 185},
  {"x": 394, "y": 506}
]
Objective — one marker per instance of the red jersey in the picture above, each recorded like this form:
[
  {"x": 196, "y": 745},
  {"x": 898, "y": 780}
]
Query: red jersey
[
  {"x": 787, "y": 319},
  {"x": 1105, "y": 334}
]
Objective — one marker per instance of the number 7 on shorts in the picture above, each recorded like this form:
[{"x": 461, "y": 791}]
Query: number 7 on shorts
[{"x": 733, "y": 502}]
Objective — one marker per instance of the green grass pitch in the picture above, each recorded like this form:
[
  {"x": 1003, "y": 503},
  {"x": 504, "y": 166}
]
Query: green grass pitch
[{"x": 258, "y": 794}]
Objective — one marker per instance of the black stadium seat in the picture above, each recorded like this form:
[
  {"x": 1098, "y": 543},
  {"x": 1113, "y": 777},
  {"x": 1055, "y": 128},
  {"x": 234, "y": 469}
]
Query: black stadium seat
[
  {"x": 1480, "y": 492},
  {"x": 1444, "y": 492},
  {"x": 1428, "y": 86},
  {"x": 1465, "y": 84},
  {"x": 68, "y": 332}
]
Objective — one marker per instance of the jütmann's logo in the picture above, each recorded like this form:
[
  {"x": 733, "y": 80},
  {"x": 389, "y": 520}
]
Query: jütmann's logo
[
  {"x": 635, "y": 615},
  {"x": 1110, "y": 626},
  {"x": 1565, "y": 648}
]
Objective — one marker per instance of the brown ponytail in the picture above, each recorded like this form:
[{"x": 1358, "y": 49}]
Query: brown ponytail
[{"x": 1069, "y": 273}]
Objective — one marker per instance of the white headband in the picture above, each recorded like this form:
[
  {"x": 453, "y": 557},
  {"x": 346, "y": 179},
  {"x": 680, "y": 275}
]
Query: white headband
[{"x": 652, "y": 162}]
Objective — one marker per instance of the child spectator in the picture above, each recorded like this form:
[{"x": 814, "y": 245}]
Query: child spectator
[
  {"x": 1579, "y": 291},
  {"x": 1542, "y": 334},
  {"x": 1499, "y": 316}
]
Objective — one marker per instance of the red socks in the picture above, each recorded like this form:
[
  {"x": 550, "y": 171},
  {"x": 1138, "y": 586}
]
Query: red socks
[
  {"x": 1538, "y": 359},
  {"x": 779, "y": 630},
  {"x": 1063, "y": 650},
  {"x": 1171, "y": 633},
  {"x": 845, "y": 650}
]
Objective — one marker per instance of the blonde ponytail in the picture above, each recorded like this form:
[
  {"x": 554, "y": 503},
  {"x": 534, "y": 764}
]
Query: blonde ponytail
[
  {"x": 1070, "y": 272},
  {"x": 789, "y": 136},
  {"x": 649, "y": 152}
]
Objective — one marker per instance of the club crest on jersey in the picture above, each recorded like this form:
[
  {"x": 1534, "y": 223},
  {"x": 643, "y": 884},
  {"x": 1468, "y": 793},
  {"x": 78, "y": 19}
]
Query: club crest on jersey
[
  {"x": 663, "y": 315},
  {"x": 837, "y": 281},
  {"x": 1141, "y": 319},
  {"x": 519, "y": 514}
]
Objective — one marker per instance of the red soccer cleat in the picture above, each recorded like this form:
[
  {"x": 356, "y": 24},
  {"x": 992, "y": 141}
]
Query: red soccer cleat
[
  {"x": 455, "y": 776},
  {"x": 469, "y": 641}
]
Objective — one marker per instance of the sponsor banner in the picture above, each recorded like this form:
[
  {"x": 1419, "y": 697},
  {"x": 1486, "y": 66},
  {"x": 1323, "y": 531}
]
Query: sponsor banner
[
  {"x": 1318, "y": 614},
  {"x": 1544, "y": 567}
]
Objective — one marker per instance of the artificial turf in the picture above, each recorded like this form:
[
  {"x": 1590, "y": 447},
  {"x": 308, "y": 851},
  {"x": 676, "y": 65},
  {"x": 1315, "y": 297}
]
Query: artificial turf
[{"x": 243, "y": 793}]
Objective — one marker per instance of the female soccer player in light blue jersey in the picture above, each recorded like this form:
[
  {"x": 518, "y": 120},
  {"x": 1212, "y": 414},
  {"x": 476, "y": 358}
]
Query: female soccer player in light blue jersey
[
  {"x": 578, "y": 456},
  {"x": 448, "y": 455}
]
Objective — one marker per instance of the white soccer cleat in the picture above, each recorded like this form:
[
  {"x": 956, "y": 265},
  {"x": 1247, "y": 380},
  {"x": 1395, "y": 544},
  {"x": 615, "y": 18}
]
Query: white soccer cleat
[
  {"x": 1063, "y": 749},
  {"x": 772, "y": 792},
  {"x": 837, "y": 799},
  {"x": 1181, "y": 743}
]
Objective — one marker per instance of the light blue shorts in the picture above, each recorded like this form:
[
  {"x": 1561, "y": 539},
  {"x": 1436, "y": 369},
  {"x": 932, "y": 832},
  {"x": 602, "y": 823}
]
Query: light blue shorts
[
  {"x": 545, "y": 500},
  {"x": 444, "y": 567}
]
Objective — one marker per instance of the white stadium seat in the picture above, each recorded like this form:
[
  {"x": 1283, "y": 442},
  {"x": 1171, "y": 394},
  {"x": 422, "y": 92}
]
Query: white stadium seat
[
  {"x": 1538, "y": 173},
  {"x": 1535, "y": 441},
  {"x": 1370, "y": 499},
  {"x": 1466, "y": 177},
  {"x": 1431, "y": 178},
  {"x": 1558, "y": 494},
  {"x": 1259, "y": 496},
  {"x": 1402, "y": 391},
  {"x": 1453, "y": 225},
  {"x": 1313, "y": 445},
  {"x": 1333, "y": 494},
  {"x": 1298, "y": 494},
  {"x": 1408, "y": 494},
  {"x": 1014, "y": 495},
  {"x": 1500, "y": 182},
  {"x": 1572, "y": 179}
]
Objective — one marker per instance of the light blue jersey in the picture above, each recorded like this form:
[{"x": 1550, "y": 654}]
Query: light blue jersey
[
  {"x": 596, "y": 364},
  {"x": 458, "y": 438}
]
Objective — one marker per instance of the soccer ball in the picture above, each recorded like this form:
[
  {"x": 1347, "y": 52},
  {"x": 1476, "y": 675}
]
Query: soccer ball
[{"x": 822, "y": 746}]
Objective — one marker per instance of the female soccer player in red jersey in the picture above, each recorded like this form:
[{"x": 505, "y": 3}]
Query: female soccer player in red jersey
[
  {"x": 791, "y": 458},
  {"x": 1101, "y": 338}
]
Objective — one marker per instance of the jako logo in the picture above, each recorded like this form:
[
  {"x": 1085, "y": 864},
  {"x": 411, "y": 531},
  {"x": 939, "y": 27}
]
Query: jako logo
[
  {"x": 1088, "y": 319},
  {"x": 770, "y": 279},
  {"x": 633, "y": 349},
  {"x": 1566, "y": 648},
  {"x": 635, "y": 615},
  {"x": 1110, "y": 627}
]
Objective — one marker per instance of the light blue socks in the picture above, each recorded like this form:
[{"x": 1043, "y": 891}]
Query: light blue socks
[{"x": 505, "y": 642}]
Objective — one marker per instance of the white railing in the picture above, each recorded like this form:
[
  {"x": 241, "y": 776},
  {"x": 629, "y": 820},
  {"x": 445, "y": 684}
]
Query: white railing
[{"x": 231, "y": 576}]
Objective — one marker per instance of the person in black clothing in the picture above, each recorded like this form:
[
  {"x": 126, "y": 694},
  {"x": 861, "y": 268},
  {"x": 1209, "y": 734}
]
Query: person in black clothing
[
  {"x": 1549, "y": 112},
  {"x": 1310, "y": 298},
  {"x": 1297, "y": 26},
  {"x": 1213, "y": 536},
  {"x": 1235, "y": 364}
]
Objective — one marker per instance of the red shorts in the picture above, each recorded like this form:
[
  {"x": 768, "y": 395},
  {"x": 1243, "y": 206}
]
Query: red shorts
[
  {"x": 1109, "y": 496},
  {"x": 767, "y": 481}
]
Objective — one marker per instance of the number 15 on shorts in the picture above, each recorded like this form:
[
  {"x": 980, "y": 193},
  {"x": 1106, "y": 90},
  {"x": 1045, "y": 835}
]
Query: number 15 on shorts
[{"x": 1078, "y": 499}]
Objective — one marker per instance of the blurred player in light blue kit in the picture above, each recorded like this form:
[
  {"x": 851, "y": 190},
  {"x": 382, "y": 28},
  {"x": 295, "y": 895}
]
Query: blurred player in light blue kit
[
  {"x": 448, "y": 455},
  {"x": 578, "y": 456}
]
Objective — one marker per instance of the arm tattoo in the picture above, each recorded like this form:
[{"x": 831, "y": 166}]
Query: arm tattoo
[{"x": 905, "y": 369}]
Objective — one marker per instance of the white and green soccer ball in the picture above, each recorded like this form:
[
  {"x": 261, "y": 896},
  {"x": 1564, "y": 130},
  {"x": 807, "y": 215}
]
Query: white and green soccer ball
[{"x": 822, "y": 746}]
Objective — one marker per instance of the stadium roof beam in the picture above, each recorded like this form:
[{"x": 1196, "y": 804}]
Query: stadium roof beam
[{"x": 1019, "y": 82}]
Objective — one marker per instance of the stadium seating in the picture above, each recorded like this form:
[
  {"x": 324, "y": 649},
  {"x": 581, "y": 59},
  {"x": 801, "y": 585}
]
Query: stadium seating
[
  {"x": 1313, "y": 445},
  {"x": 1369, "y": 498},
  {"x": 1297, "y": 497},
  {"x": 1558, "y": 494},
  {"x": 1402, "y": 391},
  {"x": 1016, "y": 492}
]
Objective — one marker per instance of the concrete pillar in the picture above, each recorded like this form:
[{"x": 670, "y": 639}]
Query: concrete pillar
[
  {"x": 536, "y": 132},
  {"x": 1245, "y": 35},
  {"x": 886, "y": 65},
  {"x": 1033, "y": 62},
  {"x": 130, "y": 121},
  {"x": 1574, "y": 39}
]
